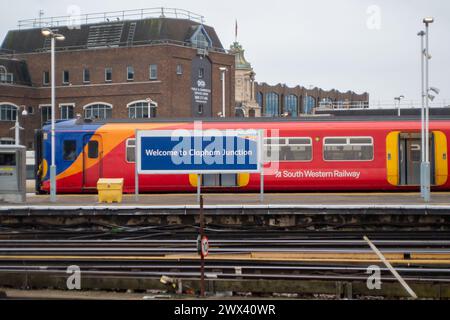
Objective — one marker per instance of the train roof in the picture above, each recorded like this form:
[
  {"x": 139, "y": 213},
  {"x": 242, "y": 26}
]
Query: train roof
[
  {"x": 315, "y": 118},
  {"x": 86, "y": 124}
]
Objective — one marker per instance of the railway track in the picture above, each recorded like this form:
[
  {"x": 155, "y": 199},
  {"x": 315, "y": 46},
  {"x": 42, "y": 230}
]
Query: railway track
[{"x": 286, "y": 258}]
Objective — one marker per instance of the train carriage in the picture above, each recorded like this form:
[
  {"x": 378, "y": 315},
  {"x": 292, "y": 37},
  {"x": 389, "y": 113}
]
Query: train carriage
[{"x": 318, "y": 154}]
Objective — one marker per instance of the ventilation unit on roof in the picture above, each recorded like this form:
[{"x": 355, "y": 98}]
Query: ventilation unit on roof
[{"x": 105, "y": 35}]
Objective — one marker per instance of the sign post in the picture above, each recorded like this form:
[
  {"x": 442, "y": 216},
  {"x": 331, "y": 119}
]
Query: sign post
[{"x": 202, "y": 252}]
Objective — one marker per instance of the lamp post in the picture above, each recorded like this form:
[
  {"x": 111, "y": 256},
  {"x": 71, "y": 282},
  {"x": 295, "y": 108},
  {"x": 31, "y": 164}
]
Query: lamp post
[
  {"x": 17, "y": 126},
  {"x": 54, "y": 36},
  {"x": 421, "y": 34},
  {"x": 426, "y": 165},
  {"x": 223, "y": 70},
  {"x": 399, "y": 99}
]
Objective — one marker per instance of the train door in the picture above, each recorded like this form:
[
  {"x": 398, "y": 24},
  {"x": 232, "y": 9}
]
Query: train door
[
  {"x": 410, "y": 160},
  {"x": 92, "y": 164},
  {"x": 404, "y": 157}
]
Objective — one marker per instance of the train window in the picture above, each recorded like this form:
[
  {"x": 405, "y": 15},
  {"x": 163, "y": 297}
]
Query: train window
[
  {"x": 219, "y": 180},
  {"x": 288, "y": 149},
  {"x": 130, "y": 150},
  {"x": 70, "y": 150},
  {"x": 348, "y": 149},
  {"x": 93, "y": 149},
  {"x": 415, "y": 153}
]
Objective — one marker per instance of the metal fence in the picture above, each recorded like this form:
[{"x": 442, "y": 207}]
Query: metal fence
[
  {"x": 90, "y": 18},
  {"x": 355, "y": 105}
]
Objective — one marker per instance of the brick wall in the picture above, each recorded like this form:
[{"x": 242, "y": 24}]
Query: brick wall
[{"x": 172, "y": 92}]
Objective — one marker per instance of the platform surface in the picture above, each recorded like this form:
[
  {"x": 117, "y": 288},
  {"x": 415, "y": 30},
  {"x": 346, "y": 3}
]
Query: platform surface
[{"x": 294, "y": 199}]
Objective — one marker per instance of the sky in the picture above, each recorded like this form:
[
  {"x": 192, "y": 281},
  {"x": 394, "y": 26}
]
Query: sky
[{"x": 359, "y": 45}]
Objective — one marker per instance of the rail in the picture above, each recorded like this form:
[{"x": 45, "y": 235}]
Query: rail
[{"x": 82, "y": 19}]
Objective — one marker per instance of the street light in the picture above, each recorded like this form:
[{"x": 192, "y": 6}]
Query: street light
[
  {"x": 17, "y": 126},
  {"x": 399, "y": 99},
  {"x": 223, "y": 70},
  {"x": 421, "y": 34},
  {"x": 46, "y": 32},
  {"x": 426, "y": 165}
]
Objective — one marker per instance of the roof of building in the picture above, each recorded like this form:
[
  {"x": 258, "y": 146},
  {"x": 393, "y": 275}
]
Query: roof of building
[
  {"x": 18, "y": 69},
  {"x": 112, "y": 34},
  {"x": 241, "y": 62}
]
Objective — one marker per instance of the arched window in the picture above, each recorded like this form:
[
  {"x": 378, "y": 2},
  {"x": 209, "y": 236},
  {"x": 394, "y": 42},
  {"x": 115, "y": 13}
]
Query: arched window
[
  {"x": 142, "y": 109},
  {"x": 3, "y": 73},
  {"x": 259, "y": 99},
  {"x": 309, "y": 104},
  {"x": 272, "y": 107},
  {"x": 5, "y": 77},
  {"x": 290, "y": 105},
  {"x": 98, "y": 110},
  {"x": 8, "y": 112}
]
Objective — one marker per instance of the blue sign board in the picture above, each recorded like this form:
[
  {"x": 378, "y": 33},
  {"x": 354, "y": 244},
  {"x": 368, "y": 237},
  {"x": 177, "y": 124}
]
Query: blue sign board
[{"x": 200, "y": 152}]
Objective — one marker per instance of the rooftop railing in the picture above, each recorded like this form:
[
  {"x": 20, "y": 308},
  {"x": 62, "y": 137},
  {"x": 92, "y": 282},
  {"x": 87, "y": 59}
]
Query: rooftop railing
[
  {"x": 91, "y": 18},
  {"x": 410, "y": 104}
]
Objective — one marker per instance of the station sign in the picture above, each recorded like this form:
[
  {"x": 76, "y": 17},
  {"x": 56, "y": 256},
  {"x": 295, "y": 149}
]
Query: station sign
[{"x": 198, "y": 151}]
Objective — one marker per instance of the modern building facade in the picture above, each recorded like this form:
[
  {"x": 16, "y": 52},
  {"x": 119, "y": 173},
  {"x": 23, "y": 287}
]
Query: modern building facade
[{"x": 134, "y": 68}]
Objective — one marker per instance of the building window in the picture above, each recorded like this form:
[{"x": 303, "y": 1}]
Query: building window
[
  {"x": 272, "y": 108},
  {"x": 86, "y": 76},
  {"x": 5, "y": 77},
  {"x": 66, "y": 77},
  {"x": 153, "y": 71},
  {"x": 98, "y": 111},
  {"x": 259, "y": 99},
  {"x": 201, "y": 73},
  {"x": 70, "y": 150},
  {"x": 130, "y": 150},
  {"x": 130, "y": 73},
  {"x": 200, "y": 38},
  {"x": 108, "y": 74},
  {"x": 67, "y": 111},
  {"x": 179, "y": 69},
  {"x": 348, "y": 149},
  {"x": 290, "y": 105},
  {"x": 46, "y": 78},
  {"x": 8, "y": 112},
  {"x": 288, "y": 149},
  {"x": 46, "y": 113},
  {"x": 309, "y": 105},
  {"x": 142, "y": 110},
  {"x": 7, "y": 141}
]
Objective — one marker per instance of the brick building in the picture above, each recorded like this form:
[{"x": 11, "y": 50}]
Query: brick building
[
  {"x": 142, "y": 68},
  {"x": 254, "y": 99}
]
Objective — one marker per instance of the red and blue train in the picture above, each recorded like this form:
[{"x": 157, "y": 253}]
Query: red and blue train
[{"x": 359, "y": 154}]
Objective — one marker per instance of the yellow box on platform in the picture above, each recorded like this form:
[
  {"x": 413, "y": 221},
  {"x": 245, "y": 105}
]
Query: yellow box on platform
[{"x": 110, "y": 190}]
